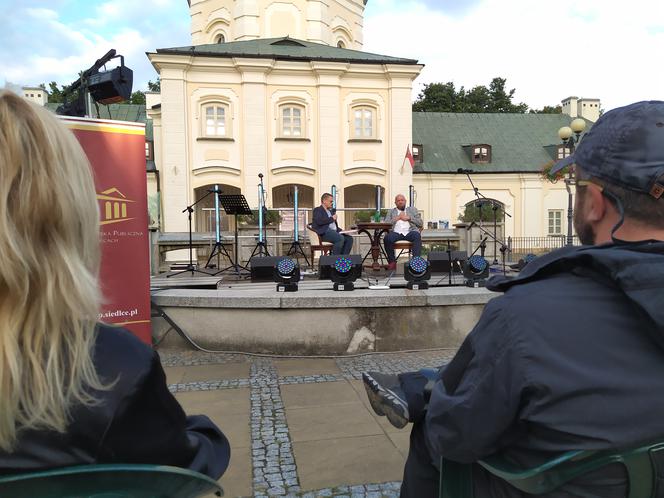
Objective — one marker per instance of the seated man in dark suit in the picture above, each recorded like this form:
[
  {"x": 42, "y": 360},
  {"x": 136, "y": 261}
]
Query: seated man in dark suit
[
  {"x": 325, "y": 225},
  {"x": 406, "y": 225}
]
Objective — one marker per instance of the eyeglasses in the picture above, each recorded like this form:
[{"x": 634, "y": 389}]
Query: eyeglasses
[{"x": 585, "y": 183}]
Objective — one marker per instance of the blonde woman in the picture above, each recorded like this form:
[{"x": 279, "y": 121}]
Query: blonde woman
[{"x": 73, "y": 391}]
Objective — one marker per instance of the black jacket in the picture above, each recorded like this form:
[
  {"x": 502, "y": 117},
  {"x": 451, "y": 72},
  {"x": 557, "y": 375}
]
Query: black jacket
[
  {"x": 570, "y": 357},
  {"x": 321, "y": 221},
  {"x": 136, "y": 421}
]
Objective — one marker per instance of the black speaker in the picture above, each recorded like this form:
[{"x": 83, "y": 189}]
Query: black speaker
[
  {"x": 111, "y": 87},
  {"x": 439, "y": 261},
  {"x": 262, "y": 268},
  {"x": 327, "y": 261}
]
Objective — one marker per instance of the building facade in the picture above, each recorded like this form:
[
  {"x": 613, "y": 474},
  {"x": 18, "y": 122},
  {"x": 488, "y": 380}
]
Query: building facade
[
  {"x": 281, "y": 89},
  {"x": 297, "y": 112}
]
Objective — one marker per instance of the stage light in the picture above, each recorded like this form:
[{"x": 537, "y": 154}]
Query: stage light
[
  {"x": 343, "y": 270},
  {"x": 287, "y": 275},
  {"x": 523, "y": 262},
  {"x": 111, "y": 87},
  {"x": 106, "y": 87},
  {"x": 476, "y": 271},
  {"x": 417, "y": 271}
]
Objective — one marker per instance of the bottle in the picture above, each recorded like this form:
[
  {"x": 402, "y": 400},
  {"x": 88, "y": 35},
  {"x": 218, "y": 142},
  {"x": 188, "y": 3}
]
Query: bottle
[{"x": 376, "y": 217}]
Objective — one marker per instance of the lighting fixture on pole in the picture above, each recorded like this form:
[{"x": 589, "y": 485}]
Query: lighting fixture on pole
[{"x": 570, "y": 136}]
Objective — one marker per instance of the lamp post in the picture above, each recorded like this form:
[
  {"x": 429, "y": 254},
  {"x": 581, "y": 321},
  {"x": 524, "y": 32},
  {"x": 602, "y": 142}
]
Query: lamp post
[{"x": 570, "y": 135}]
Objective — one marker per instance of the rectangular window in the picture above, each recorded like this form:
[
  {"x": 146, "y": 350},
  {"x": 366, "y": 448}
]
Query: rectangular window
[
  {"x": 363, "y": 123},
  {"x": 215, "y": 121},
  {"x": 291, "y": 122},
  {"x": 555, "y": 221},
  {"x": 563, "y": 152}
]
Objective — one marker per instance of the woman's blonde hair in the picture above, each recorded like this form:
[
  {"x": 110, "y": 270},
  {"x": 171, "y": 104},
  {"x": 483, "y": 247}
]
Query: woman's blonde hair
[{"x": 49, "y": 262}]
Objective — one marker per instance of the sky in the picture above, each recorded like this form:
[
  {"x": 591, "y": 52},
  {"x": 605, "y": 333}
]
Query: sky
[{"x": 546, "y": 50}]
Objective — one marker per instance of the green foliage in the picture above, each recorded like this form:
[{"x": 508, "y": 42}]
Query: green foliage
[
  {"x": 270, "y": 218},
  {"x": 366, "y": 215},
  {"x": 472, "y": 212},
  {"x": 137, "y": 98},
  {"x": 155, "y": 86},
  {"x": 545, "y": 172},
  {"x": 443, "y": 97},
  {"x": 548, "y": 109},
  {"x": 55, "y": 94}
]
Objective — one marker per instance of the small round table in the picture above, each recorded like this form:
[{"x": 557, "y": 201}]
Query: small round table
[{"x": 375, "y": 232}]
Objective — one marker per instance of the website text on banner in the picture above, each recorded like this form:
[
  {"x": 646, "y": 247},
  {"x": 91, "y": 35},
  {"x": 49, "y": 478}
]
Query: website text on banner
[{"x": 116, "y": 151}]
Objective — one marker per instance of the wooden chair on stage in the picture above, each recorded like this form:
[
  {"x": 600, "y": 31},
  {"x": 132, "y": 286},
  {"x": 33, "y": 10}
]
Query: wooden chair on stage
[{"x": 317, "y": 244}]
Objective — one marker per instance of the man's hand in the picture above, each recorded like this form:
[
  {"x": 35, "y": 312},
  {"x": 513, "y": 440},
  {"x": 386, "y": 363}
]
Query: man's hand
[
  {"x": 403, "y": 217},
  {"x": 334, "y": 217}
]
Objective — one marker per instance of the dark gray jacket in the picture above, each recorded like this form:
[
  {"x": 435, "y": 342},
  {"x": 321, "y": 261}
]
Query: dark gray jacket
[{"x": 570, "y": 357}]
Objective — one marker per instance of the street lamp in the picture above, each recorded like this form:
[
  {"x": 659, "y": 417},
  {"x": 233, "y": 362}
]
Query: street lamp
[{"x": 570, "y": 135}]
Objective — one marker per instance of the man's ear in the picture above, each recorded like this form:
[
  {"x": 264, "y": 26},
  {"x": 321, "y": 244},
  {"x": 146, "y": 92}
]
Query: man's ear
[{"x": 596, "y": 205}]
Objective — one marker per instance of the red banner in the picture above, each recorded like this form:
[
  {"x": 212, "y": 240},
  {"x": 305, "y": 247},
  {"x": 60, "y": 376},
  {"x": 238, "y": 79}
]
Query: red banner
[{"x": 116, "y": 151}]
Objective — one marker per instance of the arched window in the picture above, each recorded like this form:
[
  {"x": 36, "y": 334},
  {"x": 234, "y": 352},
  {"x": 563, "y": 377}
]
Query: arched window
[
  {"x": 220, "y": 38},
  {"x": 341, "y": 44},
  {"x": 292, "y": 121},
  {"x": 215, "y": 120},
  {"x": 363, "y": 122}
]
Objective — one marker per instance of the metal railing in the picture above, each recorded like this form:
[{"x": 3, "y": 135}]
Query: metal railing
[{"x": 518, "y": 247}]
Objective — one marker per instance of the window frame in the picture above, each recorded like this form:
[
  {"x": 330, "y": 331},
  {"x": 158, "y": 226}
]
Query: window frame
[
  {"x": 552, "y": 232},
  {"x": 204, "y": 132},
  {"x": 364, "y": 107},
  {"x": 483, "y": 158},
  {"x": 282, "y": 107}
]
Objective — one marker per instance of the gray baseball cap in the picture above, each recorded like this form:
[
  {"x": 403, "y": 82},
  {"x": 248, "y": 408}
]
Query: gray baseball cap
[{"x": 625, "y": 147}]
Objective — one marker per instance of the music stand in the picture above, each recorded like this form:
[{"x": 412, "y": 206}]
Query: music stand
[{"x": 235, "y": 204}]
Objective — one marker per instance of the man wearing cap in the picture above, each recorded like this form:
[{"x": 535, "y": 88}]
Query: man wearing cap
[{"x": 571, "y": 356}]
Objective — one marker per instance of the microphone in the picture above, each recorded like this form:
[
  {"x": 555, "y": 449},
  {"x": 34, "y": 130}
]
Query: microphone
[
  {"x": 464, "y": 171},
  {"x": 333, "y": 210},
  {"x": 260, "y": 175}
]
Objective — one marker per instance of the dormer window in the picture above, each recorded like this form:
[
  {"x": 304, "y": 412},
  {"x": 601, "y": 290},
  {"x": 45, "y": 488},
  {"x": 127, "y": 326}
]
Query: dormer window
[
  {"x": 563, "y": 152},
  {"x": 418, "y": 153},
  {"x": 481, "y": 153}
]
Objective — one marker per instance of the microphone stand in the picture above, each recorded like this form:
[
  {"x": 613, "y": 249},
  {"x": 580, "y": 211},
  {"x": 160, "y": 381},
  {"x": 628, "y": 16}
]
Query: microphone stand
[
  {"x": 481, "y": 199},
  {"x": 261, "y": 246},
  {"x": 190, "y": 267}
]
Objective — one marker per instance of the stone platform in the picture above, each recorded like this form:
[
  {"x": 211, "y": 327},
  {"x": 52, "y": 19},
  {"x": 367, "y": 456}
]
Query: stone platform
[{"x": 316, "y": 320}]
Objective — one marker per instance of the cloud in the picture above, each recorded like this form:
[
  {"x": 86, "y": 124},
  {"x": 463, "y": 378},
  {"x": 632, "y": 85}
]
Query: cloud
[
  {"x": 55, "y": 44},
  {"x": 546, "y": 50}
]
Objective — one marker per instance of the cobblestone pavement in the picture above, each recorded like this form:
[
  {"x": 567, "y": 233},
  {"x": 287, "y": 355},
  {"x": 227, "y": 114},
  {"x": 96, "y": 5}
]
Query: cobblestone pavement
[{"x": 274, "y": 466}]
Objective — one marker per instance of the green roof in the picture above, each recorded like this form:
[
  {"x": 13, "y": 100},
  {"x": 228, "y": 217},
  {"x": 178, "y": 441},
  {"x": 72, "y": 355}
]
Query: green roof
[
  {"x": 284, "y": 49},
  {"x": 119, "y": 112},
  {"x": 519, "y": 142}
]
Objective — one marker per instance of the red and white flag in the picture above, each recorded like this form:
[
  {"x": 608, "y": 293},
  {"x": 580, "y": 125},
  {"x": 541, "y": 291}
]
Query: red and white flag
[{"x": 409, "y": 157}]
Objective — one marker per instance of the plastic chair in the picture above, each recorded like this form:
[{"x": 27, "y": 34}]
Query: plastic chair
[
  {"x": 644, "y": 465},
  {"x": 110, "y": 481},
  {"x": 317, "y": 244}
]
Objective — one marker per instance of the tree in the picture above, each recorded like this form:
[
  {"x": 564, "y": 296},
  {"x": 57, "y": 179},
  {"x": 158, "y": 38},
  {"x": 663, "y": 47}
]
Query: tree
[
  {"x": 137, "y": 98},
  {"x": 548, "y": 109},
  {"x": 55, "y": 94},
  {"x": 443, "y": 97},
  {"x": 471, "y": 211},
  {"x": 437, "y": 97},
  {"x": 155, "y": 86}
]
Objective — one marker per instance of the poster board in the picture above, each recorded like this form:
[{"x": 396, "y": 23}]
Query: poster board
[{"x": 116, "y": 151}]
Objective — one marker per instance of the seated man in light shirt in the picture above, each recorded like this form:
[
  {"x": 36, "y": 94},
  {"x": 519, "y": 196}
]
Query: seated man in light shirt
[{"x": 406, "y": 225}]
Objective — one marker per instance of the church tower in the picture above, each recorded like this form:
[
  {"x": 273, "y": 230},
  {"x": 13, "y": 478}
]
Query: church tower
[{"x": 331, "y": 22}]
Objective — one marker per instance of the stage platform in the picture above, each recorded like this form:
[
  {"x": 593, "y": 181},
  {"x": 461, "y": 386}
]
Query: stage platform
[{"x": 221, "y": 313}]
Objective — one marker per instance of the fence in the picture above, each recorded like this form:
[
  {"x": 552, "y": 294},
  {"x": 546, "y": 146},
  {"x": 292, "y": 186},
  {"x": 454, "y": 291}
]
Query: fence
[{"x": 518, "y": 247}]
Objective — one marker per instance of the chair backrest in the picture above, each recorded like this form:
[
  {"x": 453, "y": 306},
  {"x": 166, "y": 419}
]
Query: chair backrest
[
  {"x": 110, "y": 481},
  {"x": 644, "y": 465}
]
